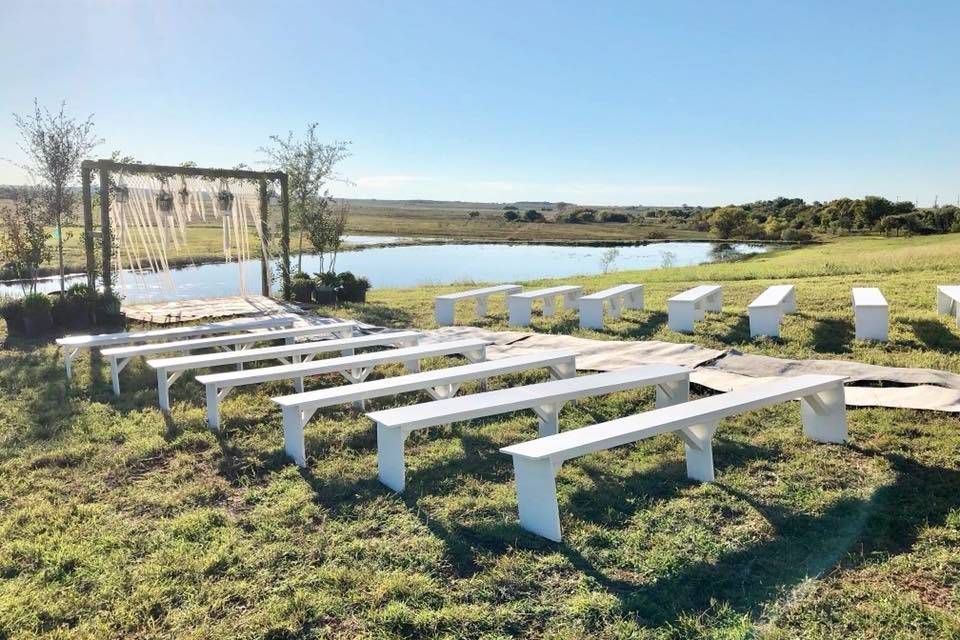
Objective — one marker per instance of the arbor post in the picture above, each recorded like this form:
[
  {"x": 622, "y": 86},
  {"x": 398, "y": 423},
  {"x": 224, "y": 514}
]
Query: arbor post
[
  {"x": 285, "y": 237},
  {"x": 88, "y": 228},
  {"x": 104, "y": 170},
  {"x": 264, "y": 240}
]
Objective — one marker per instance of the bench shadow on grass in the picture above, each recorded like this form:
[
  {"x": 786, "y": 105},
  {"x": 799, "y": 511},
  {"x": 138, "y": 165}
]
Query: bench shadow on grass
[
  {"x": 652, "y": 322},
  {"x": 936, "y": 335},
  {"x": 802, "y": 544},
  {"x": 832, "y": 335}
]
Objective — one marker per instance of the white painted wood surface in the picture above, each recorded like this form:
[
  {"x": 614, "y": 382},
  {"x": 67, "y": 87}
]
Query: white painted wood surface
[
  {"x": 767, "y": 310},
  {"x": 445, "y": 305},
  {"x": 871, "y": 314},
  {"x": 439, "y": 383},
  {"x": 546, "y": 399},
  {"x": 520, "y": 305},
  {"x": 624, "y": 296},
  {"x": 691, "y": 305},
  {"x": 536, "y": 462}
]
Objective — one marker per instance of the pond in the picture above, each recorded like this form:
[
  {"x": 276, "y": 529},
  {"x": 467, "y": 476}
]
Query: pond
[{"x": 413, "y": 265}]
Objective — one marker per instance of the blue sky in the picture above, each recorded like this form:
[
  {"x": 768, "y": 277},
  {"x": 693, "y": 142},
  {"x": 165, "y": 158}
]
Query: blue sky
[{"x": 601, "y": 103}]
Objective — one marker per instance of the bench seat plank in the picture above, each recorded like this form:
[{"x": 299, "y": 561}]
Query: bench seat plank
[
  {"x": 439, "y": 383},
  {"x": 354, "y": 368},
  {"x": 624, "y": 296},
  {"x": 871, "y": 314},
  {"x": 948, "y": 300},
  {"x": 685, "y": 308},
  {"x": 169, "y": 369},
  {"x": 536, "y": 462},
  {"x": 767, "y": 310},
  {"x": 72, "y": 344},
  {"x": 520, "y": 305},
  {"x": 444, "y": 306},
  {"x": 545, "y": 398},
  {"x": 120, "y": 356}
]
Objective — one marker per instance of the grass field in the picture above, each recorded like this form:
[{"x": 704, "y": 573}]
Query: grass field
[{"x": 116, "y": 521}]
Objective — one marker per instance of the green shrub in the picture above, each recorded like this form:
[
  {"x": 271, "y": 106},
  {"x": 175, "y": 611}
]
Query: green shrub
[
  {"x": 352, "y": 288},
  {"x": 37, "y": 303},
  {"x": 11, "y": 310}
]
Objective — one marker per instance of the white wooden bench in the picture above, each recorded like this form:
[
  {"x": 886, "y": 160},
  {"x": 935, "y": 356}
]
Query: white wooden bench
[
  {"x": 444, "y": 306},
  {"x": 72, "y": 344},
  {"x": 625, "y": 296},
  {"x": 120, "y": 357},
  {"x": 439, "y": 383},
  {"x": 545, "y": 399},
  {"x": 691, "y": 305},
  {"x": 535, "y": 463},
  {"x": 948, "y": 300},
  {"x": 520, "y": 305},
  {"x": 170, "y": 369},
  {"x": 871, "y": 314},
  {"x": 767, "y": 310},
  {"x": 354, "y": 368}
]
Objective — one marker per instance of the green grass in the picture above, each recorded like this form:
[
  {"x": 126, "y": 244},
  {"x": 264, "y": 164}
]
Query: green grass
[{"x": 118, "y": 522}]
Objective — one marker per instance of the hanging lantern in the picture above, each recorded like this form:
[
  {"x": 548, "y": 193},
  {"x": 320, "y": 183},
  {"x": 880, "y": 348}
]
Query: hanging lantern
[
  {"x": 183, "y": 193},
  {"x": 121, "y": 194},
  {"x": 165, "y": 201},
  {"x": 225, "y": 201}
]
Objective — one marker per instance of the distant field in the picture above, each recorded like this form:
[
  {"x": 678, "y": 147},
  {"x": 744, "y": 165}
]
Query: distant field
[{"x": 442, "y": 220}]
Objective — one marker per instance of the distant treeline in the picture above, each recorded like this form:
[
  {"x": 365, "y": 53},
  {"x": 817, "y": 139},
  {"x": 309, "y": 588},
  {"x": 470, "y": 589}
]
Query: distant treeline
[{"x": 790, "y": 219}]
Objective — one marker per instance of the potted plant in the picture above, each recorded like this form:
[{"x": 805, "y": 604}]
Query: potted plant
[
  {"x": 77, "y": 306},
  {"x": 107, "y": 310},
  {"x": 328, "y": 285},
  {"x": 301, "y": 287},
  {"x": 37, "y": 318},
  {"x": 352, "y": 288},
  {"x": 224, "y": 200},
  {"x": 165, "y": 201},
  {"x": 11, "y": 310}
]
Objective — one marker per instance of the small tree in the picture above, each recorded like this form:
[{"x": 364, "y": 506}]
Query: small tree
[
  {"x": 309, "y": 165},
  {"x": 23, "y": 235},
  {"x": 55, "y": 144}
]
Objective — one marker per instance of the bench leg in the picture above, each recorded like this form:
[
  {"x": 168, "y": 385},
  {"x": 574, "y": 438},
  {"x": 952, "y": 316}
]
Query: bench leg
[
  {"x": 944, "y": 302},
  {"x": 790, "y": 304},
  {"x": 570, "y": 300},
  {"x": 443, "y": 311},
  {"x": 715, "y": 302},
  {"x": 482, "y": 307},
  {"x": 681, "y": 316},
  {"x": 68, "y": 356},
  {"x": 116, "y": 366},
  {"x": 297, "y": 382},
  {"x": 825, "y": 415},
  {"x": 764, "y": 322},
  {"x": 634, "y": 300},
  {"x": 214, "y": 396},
  {"x": 443, "y": 391},
  {"x": 872, "y": 323},
  {"x": 563, "y": 370},
  {"x": 537, "y": 496},
  {"x": 293, "y": 442},
  {"x": 591, "y": 314},
  {"x": 549, "y": 415},
  {"x": 616, "y": 307},
  {"x": 391, "y": 468},
  {"x": 698, "y": 445},
  {"x": 549, "y": 306},
  {"x": 163, "y": 390},
  {"x": 673, "y": 392},
  {"x": 518, "y": 311}
]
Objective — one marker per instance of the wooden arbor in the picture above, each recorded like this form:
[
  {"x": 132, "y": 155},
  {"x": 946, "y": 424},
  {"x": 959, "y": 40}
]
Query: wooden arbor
[{"x": 105, "y": 167}]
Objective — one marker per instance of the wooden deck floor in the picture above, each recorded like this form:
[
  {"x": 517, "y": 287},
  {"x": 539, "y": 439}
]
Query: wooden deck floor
[{"x": 177, "y": 311}]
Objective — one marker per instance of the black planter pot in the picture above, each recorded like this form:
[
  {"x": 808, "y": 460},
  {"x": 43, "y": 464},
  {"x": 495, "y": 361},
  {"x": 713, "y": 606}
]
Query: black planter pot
[
  {"x": 37, "y": 323},
  {"x": 325, "y": 295}
]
